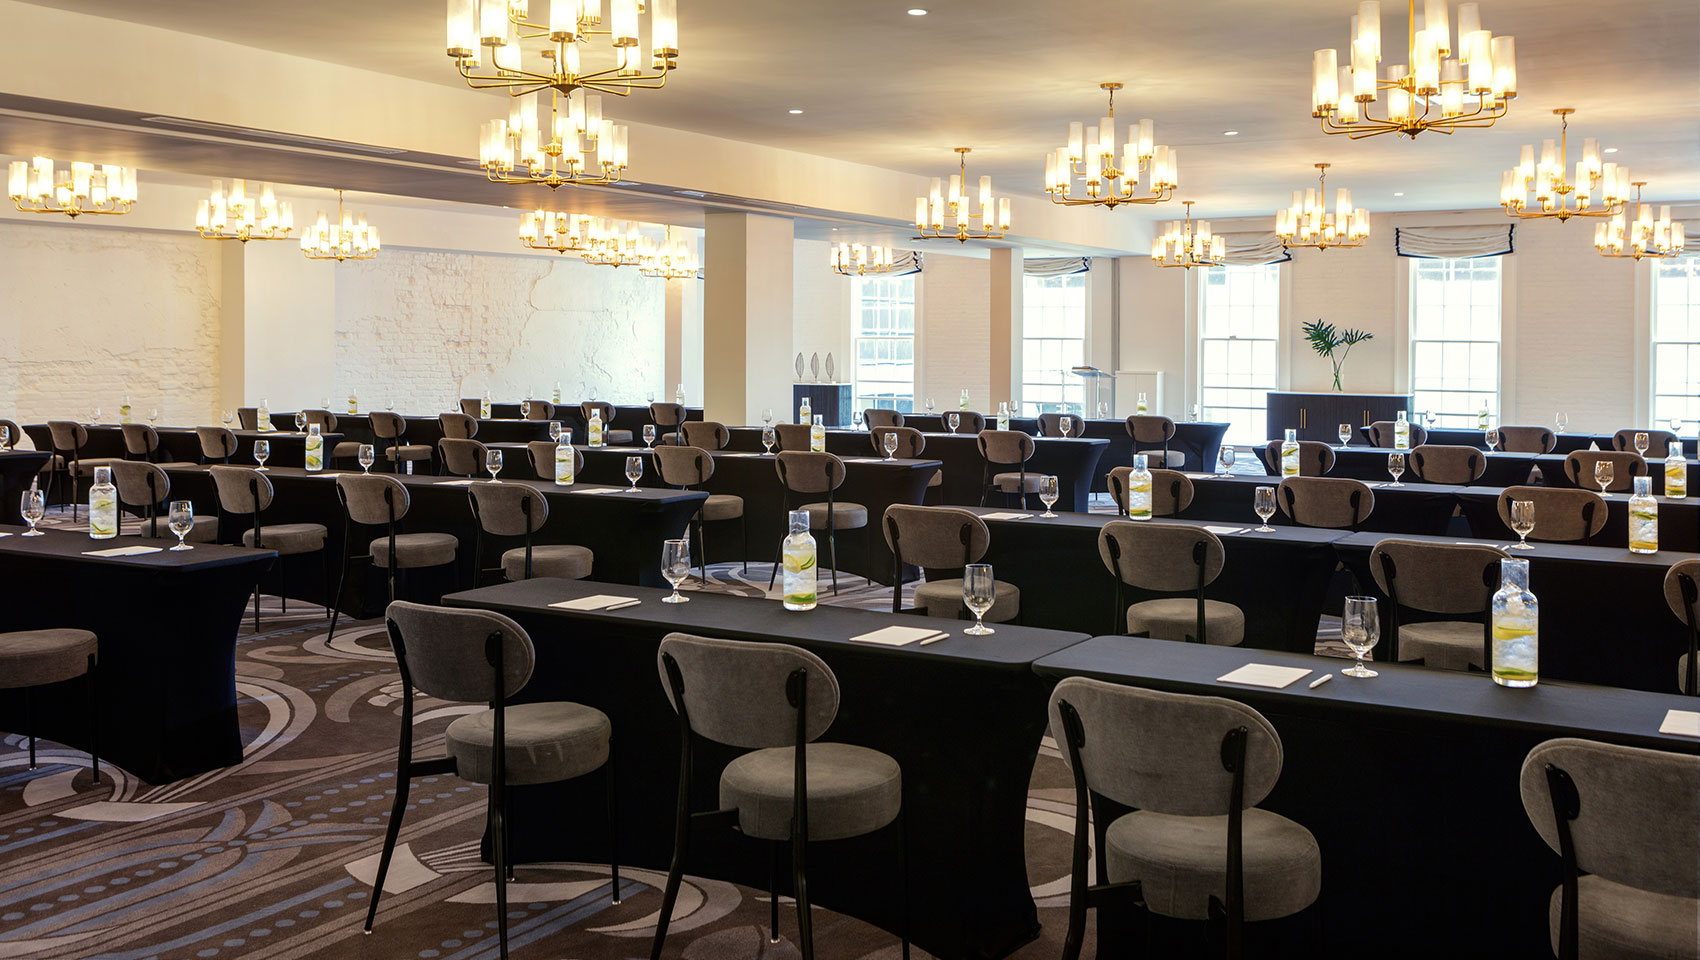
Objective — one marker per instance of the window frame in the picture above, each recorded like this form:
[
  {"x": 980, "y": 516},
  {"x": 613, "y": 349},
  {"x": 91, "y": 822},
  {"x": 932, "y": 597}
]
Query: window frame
[
  {"x": 1689, "y": 389},
  {"x": 1247, "y": 421},
  {"x": 1070, "y": 387},
  {"x": 899, "y": 295}
]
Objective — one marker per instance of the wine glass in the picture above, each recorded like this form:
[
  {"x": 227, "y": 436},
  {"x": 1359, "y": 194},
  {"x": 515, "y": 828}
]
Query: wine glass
[
  {"x": 767, "y": 440},
  {"x": 368, "y": 455},
  {"x": 1226, "y": 456},
  {"x": 493, "y": 463},
  {"x": 649, "y": 396},
  {"x": 555, "y": 430},
  {"x": 228, "y": 417},
  {"x": 929, "y": 405},
  {"x": 1048, "y": 494},
  {"x": 889, "y": 442},
  {"x": 1603, "y": 474},
  {"x": 1676, "y": 425},
  {"x": 1641, "y": 443},
  {"x": 96, "y": 417},
  {"x": 182, "y": 520},
  {"x": 1491, "y": 435},
  {"x": 34, "y": 507},
  {"x": 300, "y": 422},
  {"x": 1264, "y": 503},
  {"x": 1192, "y": 413},
  {"x": 153, "y": 417},
  {"x": 1522, "y": 523},
  {"x": 1562, "y": 420},
  {"x": 1396, "y": 466},
  {"x": 1428, "y": 419},
  {"x": 1345, "y": 435},
  {"x": 525, "y": 409},
  {"x": 634, "y": 470},
  {"x": 978, "y": 592},
  {"x": 262, "y": 451},
  {"x": 951, "y": 420},
  {"x": 1103, "y": 410},
  {"x": 856, "y": 419},
  {"x": 649, "y": 435},
  {"x": 1066, "y": 425},
  {"x": 389, "y": 405},
  {"x": 675, "y": 565},
  {"x": 766, "y": 415},
  {"x": 1360, "y": 627},
  {"x": 5, "y": 436}
]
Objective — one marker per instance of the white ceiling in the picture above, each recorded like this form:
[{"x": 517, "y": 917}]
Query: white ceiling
[{"x": 880, "y": 87}]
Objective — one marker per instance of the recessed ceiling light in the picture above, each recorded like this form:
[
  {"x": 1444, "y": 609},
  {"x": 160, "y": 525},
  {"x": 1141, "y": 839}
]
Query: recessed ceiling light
[
  {"x": 1611, "y": 149},
  {"x": 917, "y": 12},
  {"x": 1399, "y": 194},
  {"x": 1230, "y": 133},
  {"x": 795, "y": 111}
]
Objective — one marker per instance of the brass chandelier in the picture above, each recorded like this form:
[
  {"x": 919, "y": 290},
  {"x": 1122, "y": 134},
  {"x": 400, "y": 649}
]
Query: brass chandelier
[
  {"x": 1641, "y": 237},
  {"x": 242, "y": 216},
  {"x": 567, "y": 141},
  {"x": 1186, "y": 244},
  {"x": 82, "y": 188},
  {"x": 560, "y": 232},
  {"x": 345, "y": 238},
  {"x": 611, "y": 243},
  {"x": 1442, "y": 86},
  {"x": 933, "y": 210},
  {"x": 1090, "y": 154},
  {"x": 1553, "y": 193},
  {"x": 1307, "y": 223},
  {"x": 673, "y": 259},
  {"x": 484, "y": 38},
  {"x": 859, "y": 260}
]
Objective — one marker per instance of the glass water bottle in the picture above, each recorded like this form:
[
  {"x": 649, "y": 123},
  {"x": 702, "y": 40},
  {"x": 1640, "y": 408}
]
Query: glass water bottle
[
  {"x": 679, "y": 394},
  {"x": 484, "y": 405},
  {"x": 564, "y": 459},
  {"x": 817, "y": 434},
  {"x": 103, "y": 505},
  {"x": 1676, "y": 472},
  {"x": 962, "y": 401},
  {"x": 1003, "y": 415},
  {"x": 1516, "y": 627},
  {"x": 263, "y": 416},
  {"x": 1643, "y": 518},
  {"x": 1482, "y": 417},
  {"x": 124, "y": 410},
  {"x": 353, "y": 403},
  {"x": 596, "y": 428},
  {"x": 314, "y": 449},
  {"x": 799, "y": 561},
  {"x": 1290, "y": 454},
  {"x": 1401, "y": 433},
  {"x": 1139, "y": 490},
  {"x": 805, "y": 411},
  {"x": 557, "y": 393},
  {"x": 1139, "y": 406}
]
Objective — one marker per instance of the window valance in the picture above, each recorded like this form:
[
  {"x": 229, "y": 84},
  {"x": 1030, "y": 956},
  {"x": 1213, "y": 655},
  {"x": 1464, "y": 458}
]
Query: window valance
[{"x": 1493, "y": 240}]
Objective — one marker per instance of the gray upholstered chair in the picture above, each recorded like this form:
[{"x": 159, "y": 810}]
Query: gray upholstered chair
[
  {"x": 245, "y": 491},
  {"x": 1150, "y": 431},
  {"x": 542, "y": 455},
  {"x": 324, "y": 418},
  {"x": 804, "y": 475},
  {"x": 1527, "y": 440},
  {"x": 69, "y": 438},
  {"x": 520, "y": 510},
  {"x": 1658, "y": 441},
  {"x": 1445, "y": 463},
  {"x": 942, "y": 540},
  {"x": 146, "y": 488},
  {"x": 142, "y": 441},
  {"x": 389, "y": 430},
  {"x": 1332, "y": 502},
  {"x": 1579, "y": 467},
  {"x": 667, "y": 417},
  {"x": 706, "y": 434},
  {"x": 1625, "y": 822},
  {"x": 1171, "y": 491},
  {"x": 792, "y": 436},
  {"x": 1196, "y": 846},
  {"x": 538, "y": 410},
  {"x": 376, "y": 500},
  {"x": 1381, "y": 434},
  {"x": 460, "y": 426},
  {"x": 967, "y": 421},
  {"x": 480, "y": 656},
  {"x": 689, "y": 468},
  {"x": 1682, "y": 595},
  {"x": 1438, "y": 578},
  {"x": 462, "y": 458},
  {"x": 1315, "y": 458},
  {"x": 774, "y": 701},
  {"x": 1050, "y": 425},
  {"x": 881, "y": 417},
  {"x": 35, "y": 658},
  {"x": 471, "y": 407},
  {"x": 1007, "y": 448},
  {"x": 1561, "y": 515},
  {"x": 1169, "y": 558},
  {"x": 248, "y": 418},
  {"x": 610, "y": 436},
  {"x": 910, "y": 444},
  {"x": 217, "y": 443}
]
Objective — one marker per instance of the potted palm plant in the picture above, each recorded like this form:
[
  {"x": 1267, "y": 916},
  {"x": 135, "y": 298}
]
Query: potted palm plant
[{"x": 1325, "y": 340}]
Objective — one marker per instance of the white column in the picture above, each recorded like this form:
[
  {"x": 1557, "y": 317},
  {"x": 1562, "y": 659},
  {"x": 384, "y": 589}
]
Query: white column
[
  {"x": 683, "y": 341},
  {"x": 746, "y": 316},
  {"x": 1005, "y": 322}
]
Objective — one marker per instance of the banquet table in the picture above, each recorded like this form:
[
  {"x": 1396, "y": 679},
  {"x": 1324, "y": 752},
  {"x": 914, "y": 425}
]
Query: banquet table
[
  {"x": 1201, "y": 441},
  {"x": 1455, "y": 436},
  {"x": 1679, "y": 520},
  {"x": 1415, "y": 507},
  {"x": 167, "y": 623},
  {"x": 1553, "y": 474},
  {"x": 1408, "y": 780},
  {"x": 17, "y": 469},
  {"x": 182, "y": 445},
  {"x": 1370, "y": 463},
  {"x": 963, "y": 717}
]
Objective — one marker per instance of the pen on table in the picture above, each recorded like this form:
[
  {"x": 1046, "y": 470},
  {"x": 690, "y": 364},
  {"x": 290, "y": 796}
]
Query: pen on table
[
  {"x": 934, "y": 639},
  {"x": 1319, "y": 681}
]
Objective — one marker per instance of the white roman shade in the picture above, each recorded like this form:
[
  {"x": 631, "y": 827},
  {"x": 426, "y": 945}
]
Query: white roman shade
[
  {"x": 1254, "y": 247},
  {"x": 1492, "y": 240},
  {"x": 1055, "y": 266}
]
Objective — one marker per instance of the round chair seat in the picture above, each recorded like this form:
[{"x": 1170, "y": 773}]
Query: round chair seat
[
  {"x": 407, "y": 451},
  {"x": 943, "y": 598},
  {"x": 416, "y": 550},
  {"x": 562, "y": 561},
  {"x": 1182, "y": 861},
  {"x": 852, "y": 791},
  {"x": 1613, "y": 920},
  {"x": 30, "y": 658},
  {"x": 1447, "y": 644},
  {"x": 616, "y": 438},
  {"x": 1017, "y": 482},
  {"x": 347, "y": 448},
  {"x": 205, "y": 530},
  {"x": 86, "y": 467},
  {"x": 845, "y": 515},
  {"x": 723, "y": 506},
  {"x": 1175, "y": 618},
  {"x": 546, "y": 742},
  {"x": 289, "y": 538}
]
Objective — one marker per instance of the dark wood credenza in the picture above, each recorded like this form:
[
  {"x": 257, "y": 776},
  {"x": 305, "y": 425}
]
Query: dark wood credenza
[{"x": 1317, "y": 416}]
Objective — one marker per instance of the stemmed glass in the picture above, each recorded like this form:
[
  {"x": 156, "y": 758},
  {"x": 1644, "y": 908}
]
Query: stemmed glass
[
  {"x": 96, "y": 417},
  {"x": 1603, "y": 474},
  {"x": 1360, "y": 627},
  {"x": 182, "y": 520},
  {"x": 1264, "y": 503},
  {"x": 1103, "y": 410},
  {"x": 766, "y": 416},
  {"x": 649, "y": 435},
  {"x": 34, "y": 508},
  {"x": 555, "y": 430},
  {"x": 389, "y": 405},
  {"x": 262, "y": 451},
  {"x": 300, "y": 422},
  {"x": 856, "y": 419},
  {"x": 889, "y": 442},
  {"x": 5, "y": 436},
  {"x": 1641, "y": 443},
  {"x": 675, "y": 566},
  {"x": 1522, "y": 523},
  {"x": 951, "y": 420},
  {"x": 1048, "y": 494},
  {"x": 978, "y": 592},
  {"x": 1345, "y": 435},
  {"x": 929, "y": 405},
  {"x": 1066, "y": 425},
  {"x": 368, "y": 455},
  {"x": 153, "y": 417},
  {"x": 1192, "y": 413},
  {"x": 1491, "y": 435},
  {"x": 525, "y": 409},
  {"x": 767, "y": 440},
  {"x": 1396, "y": 466},
  {"x": 1226, "y": 456},
  {"x": 634, "y": 470},
  {"x": 493, "y": 463},
  {"x": 1676, "y": 425},
  {"x": 229, "y": 418},
  {"x": 1562, "y": 420}
]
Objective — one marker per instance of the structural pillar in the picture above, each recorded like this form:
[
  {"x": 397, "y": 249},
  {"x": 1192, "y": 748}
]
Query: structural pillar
[
  {"x": 746, "y": 316},
  {"x": 1005, "y": 327}
]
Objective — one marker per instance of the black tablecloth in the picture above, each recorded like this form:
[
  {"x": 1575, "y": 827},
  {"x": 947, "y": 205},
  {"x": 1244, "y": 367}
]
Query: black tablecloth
[
  {"x": 1453, "y": 436},
  {"x": 1370, "y": 463},
  {"x": 182, "y": 445},
  {"x": 17, "y": 469},
  {"x": 1553, "y": 474},
  {"x": 1409, "y": 781},
  {"x": 1679, "y": 520},
  {"x": 1201, "y": 441},
  {"x": 963, "y": 717},
  {"x": 1415, "y": 507},
  {"x": 167, "y": 625}
]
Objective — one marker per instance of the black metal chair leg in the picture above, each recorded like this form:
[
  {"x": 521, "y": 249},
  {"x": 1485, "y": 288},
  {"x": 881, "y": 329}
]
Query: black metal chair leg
[
  {"x": 773, "y": 891},
  {"x": 613, "y": 827},
  {"x": 282, "y": 584},
  {"x": 670, "y": 893},
  {"x": 94, "y": 725},
  {"x": 336, "y": 601},
  {"x": 702, "y": 548},
  {"x": 498, "y": 850},
  {"x": 507, "y": 839},
  {"x": 402, "y": 782},
  {"x": 257, "y": 605},
  {"x": 29, "y": 722},
  {"x": 744, "y": 543},
  {"x": 832, "y": 548},
  {"x": 903, "y": 877},
  {"x": 800, "y": 882}
]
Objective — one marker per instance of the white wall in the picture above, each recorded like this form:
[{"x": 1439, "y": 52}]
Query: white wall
[
  {"x": 953, "y": 340},
  {"x": 820, "y": 311}
]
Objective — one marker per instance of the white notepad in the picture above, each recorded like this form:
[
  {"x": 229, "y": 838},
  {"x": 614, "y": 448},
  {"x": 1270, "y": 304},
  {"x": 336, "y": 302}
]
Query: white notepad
[
  {"x": 601, "y": 601},
  {"x": 1264, "y": 675},
  {"x": 454, "y": 483},
  {"x": 1006, "y": 516},
  {"x": 899, "y": 636},
  {"x": 1224, "y": 531},
  {"x": 601, "y": 490},
  {"x": 740, "y": 454},
  {"x": 122, "y": 551},
  {"x": 1201, "y": 476},
  {"x": 861, "y": 459},
  {"x": 1681, "y": 723},
  {"x": 5, "y": 534}
]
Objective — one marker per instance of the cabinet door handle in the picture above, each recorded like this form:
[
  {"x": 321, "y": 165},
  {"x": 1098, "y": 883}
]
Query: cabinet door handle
[
  {"x": 1301, "y": 418},
  {"x": 1366, "y": 418}
]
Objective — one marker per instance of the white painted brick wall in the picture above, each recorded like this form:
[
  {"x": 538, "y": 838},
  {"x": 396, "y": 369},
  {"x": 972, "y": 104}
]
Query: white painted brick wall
[
  {"x": 1575, "y": 329},
  {"x": 955, "y": 303}
]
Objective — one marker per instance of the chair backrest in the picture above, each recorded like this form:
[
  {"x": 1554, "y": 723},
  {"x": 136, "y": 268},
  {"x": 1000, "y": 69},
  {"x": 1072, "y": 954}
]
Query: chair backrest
[
  {"x": 938, "y": 538},
  {"x": 68, "y": 435},
  {"x": 370, "y": 497},
  {"x": 471, "y": 406},
  {"x": 1006, "y": 447},
  {"x": 1050, "y": 424},
  {"x": 792, "y": 436},
  {"x": 248, "y": 418},
  {"x": 1658, "y": 441},
  {"x": 1315, "y": 457},
  {"x": 140, "y": 483},
  {"x": 458, "y": 426},
  {"x": 1162, "y": 752},
  {"x": 802, "y": 471},
  {"x": 1561, "y": 515},
  {"x": 1527, "y": 439},
  {"x": 387, "y": 425},
  {"x": 667, "y": 414},
  {"x": 967, "y": 421},
  {"x": 463, "y": 458},
  {"x": 603, "y": 407},
  {"x": 447, "y": 652},
  {"x": 910, "y": 442},
  {"x": 14, "y": 433},
  {"x": 139, "y": 438},
  {"x": 1159, "y": 556},
  {"x": 881, "y": 417},
  {"x": 1446, "y": 463},
  {"x": 1683, "y": 608},
  {"x": 1171, "y": 491},
  {"x": 735, "y": 690},
  {"x": 1381, "y": 434},
  {"x": 1636, "y": 811},
  {"x": 1146, "y": 428},
  {"x": 707, "y": 434},
  {"x": 1437, "y": 577},
  {"x": 1325, "y": 501},
  {"x": 217, "y": 443},
  {"x": 502, "y": 508},
  {"x": 683, "y": 466},
  {"x": 1626, "y": 466},
  {"x": 539, "y": 410},
  {"x": 542, "y": 454},
  {"x": 241, "y": 490},
  {"x": 324, "y": 418}
]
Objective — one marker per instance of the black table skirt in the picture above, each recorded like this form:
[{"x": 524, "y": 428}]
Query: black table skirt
[
  {"x": 1416, "y": 508},
  {"x": 1679, "y": 521},
  {"x": 631, "y": 417},
  {"x": 17, "y": 469},
  {"x": 1370, "y": 463},
  {"x": 1201, "y": 441},
  {"x": 1553, "y": 474},
  {"x": 167, "y": 624},
  {"x": 182, "y": 445},
  {"x": 963, "y": 717}
]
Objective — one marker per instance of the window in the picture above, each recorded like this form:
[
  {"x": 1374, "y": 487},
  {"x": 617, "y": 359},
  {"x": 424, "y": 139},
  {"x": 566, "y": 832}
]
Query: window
[
  {"x": 1239, "y": 321},
  {"x": 1053, "y": 343},
  {"x": 1676, "y": 340},
  {"x": 883, "y": 325},
  {"x": 1455, "y": 339}
]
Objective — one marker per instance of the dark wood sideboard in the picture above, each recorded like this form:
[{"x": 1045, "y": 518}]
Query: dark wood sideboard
[{"x": 1317, "y": 416}]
